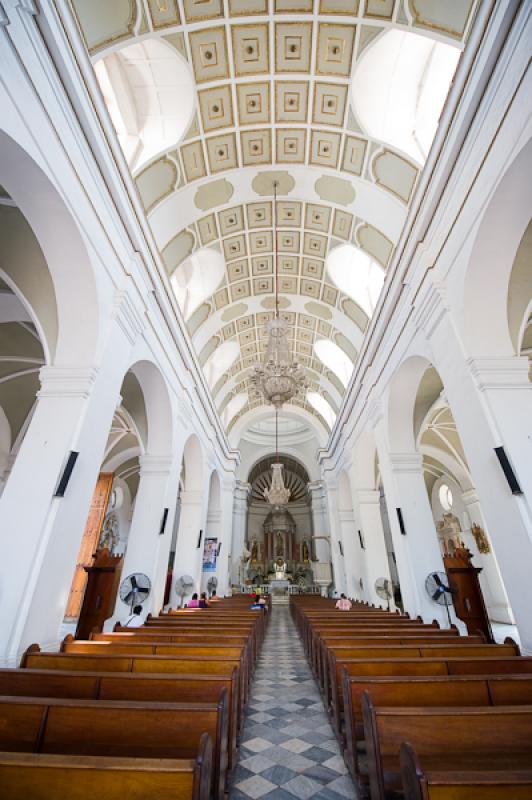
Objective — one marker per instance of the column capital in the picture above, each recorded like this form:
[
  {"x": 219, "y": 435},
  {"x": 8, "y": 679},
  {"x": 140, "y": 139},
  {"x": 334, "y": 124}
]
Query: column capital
[
  {"x": 75, "y": 382},
  {"x": 192, "y": 498},
  {"x": 368, "y": 496},
  {"x": 406, "y": 462},
  {"x": 501, "y": 373},
  {"x": 470, "y": 496},
  {"x": 155, "y": 465}
]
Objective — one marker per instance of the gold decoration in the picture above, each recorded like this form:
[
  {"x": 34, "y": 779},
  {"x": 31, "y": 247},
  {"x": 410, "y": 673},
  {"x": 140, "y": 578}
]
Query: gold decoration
[{"x": 480, "y": 538}]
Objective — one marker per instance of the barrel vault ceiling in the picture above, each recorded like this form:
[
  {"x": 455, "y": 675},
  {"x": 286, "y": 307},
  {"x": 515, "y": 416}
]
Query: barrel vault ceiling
[{"x": 272, "y": 100}]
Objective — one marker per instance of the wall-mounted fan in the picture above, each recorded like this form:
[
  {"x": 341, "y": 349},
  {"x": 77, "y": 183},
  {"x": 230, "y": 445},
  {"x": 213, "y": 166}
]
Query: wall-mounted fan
[
  {"x": 183, "y": 585},
  {"x": 384, "y": 589},
  {"x": 135, "y": 589},
  {"x": 440, "y": 591},
  {"x": 212, "y": 583}
]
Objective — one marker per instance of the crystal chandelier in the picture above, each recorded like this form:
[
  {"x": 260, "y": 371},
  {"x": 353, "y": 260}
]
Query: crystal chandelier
[
  {"x": 278, "y": 379},
  {"x": 277, "y": 495}
]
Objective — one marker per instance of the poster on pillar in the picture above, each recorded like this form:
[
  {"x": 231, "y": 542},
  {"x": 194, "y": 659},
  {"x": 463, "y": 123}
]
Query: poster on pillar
[{"x": 210, "y": 554}]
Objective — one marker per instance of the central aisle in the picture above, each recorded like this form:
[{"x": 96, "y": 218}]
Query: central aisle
[{"x": 288, "y": 747}]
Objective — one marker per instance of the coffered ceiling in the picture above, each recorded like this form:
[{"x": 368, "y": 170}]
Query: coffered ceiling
[{"x": 272, "y": 84}]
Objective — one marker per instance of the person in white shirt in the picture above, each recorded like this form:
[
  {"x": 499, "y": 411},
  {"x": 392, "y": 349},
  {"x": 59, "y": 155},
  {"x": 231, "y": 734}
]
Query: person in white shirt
[
  {"x": 344, "y": 604},
  {"x": 135, "y": 620}
]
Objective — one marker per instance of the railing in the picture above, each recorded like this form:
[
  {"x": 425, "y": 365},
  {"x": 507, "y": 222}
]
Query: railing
[{"x": 265, "y": 589}]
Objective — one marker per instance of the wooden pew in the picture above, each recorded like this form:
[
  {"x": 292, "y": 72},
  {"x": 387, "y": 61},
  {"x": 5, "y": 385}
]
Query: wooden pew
[
  {"x": 422, "y": 784},
  {"x": 183, "y": 665},
  {"x": 34, "y": 776},
  {"x": 117, "y": 729},
  {"x": 127, "y": 686},
  {"x": 337, "y": 657},
  {"x": 469, "y": 690},
  {"x": 447, "y": 739}
]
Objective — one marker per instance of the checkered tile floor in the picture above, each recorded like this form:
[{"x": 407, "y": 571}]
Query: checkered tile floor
[{"x": 288, "y": 749}]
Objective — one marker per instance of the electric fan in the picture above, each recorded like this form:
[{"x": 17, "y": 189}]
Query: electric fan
[
  {"x": 135, "y": 589},
  {"x": 384, "y": 588},
  {"x": 212, "y": 583},
  {"x": 183, "y": 585},
  {"x": 439, "y": 590}
]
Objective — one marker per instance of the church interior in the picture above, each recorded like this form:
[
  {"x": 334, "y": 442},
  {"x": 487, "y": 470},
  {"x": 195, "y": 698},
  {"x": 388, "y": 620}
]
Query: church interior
[{"x": 266, "y": 399}]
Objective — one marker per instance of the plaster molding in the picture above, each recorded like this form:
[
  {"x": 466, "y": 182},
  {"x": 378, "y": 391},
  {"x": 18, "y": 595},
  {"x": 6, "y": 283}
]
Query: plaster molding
[
  {"x": 27, "y": 6},
  {"x": 154, "y": 466},
  {"x": 470, "y": 497},
  {"x": 130, "y": 321},
  {"x": 4, "y": 19},
  {"x": 192, "y": 497},
  {"x": 368, "y": 497},
  {"x": 431, "y": 308},
  {"x": 504, "y": 373},
  {"x": 406, "y": 462},
  {"x": 75, "y": 382},
  {"x": 375, "y": 413},
  {"x": 346, "y": 515}
]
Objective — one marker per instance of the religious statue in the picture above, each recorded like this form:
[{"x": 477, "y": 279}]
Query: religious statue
[
  {"x": 280, "y": 569},
  {"x": 480, "y": 538},
  {"x": 279, "y": 548},
  {"x": 254, "y": 552},
  {"x": 305, "y": 553},
  {"x": 244, "y": 564}
]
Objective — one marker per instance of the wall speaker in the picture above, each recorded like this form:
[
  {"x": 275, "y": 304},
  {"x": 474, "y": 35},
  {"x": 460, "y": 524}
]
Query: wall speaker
[
  {"x": 219, "y": 549},
  {"x": 401, "y": 521},
  {"x": 163, "y": 522},
  {"x": 510, "y": 475},
  {"x": 67, "y": 472},
  {"x": 361, "y": 540},
  {"x": 199, "y": 540},
  {"x": 341, "y": 548}
]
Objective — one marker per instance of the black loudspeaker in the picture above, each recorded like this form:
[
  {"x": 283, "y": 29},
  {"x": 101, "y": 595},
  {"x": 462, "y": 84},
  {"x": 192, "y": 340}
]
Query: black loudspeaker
[
  {"x": 199, "y": 540},
  {"x": 401, "y": 521},
  {"x": 163, "y": 522},
  {"x": 341, "y": 549},
  {"x": 219, "y": 549},
  {"x": 510, "y": 475},
  {"x": 67, "y": 472},
  {"x": 361, "y": 540}
]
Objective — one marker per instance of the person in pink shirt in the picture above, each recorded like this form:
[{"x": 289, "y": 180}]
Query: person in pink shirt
[
  {"x": 194, "y": 603},
  {"x": 343, "y": 604}
]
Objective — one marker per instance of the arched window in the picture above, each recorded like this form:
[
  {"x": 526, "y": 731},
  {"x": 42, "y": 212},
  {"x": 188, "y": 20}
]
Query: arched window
[
  {"x": 220, "y": 361},
  {"x": 197, "y": 278},
  {"x": 335, "y": 359},
  {"x": 446, "y": 497},
  {"x": 399, "y": 87},
  {"x": 149, "y": 91},
  {"x": 322, "y": 407},
  {"x": 356, "y": 274}
]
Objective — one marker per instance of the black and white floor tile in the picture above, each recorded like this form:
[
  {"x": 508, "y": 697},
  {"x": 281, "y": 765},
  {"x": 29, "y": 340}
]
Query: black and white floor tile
[{"x": 288, "y": 749}]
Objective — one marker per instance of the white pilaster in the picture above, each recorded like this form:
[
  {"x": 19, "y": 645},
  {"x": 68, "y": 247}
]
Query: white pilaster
[
  {"x": 367, "y": 504},
  {"x": 240, "y": 516}
]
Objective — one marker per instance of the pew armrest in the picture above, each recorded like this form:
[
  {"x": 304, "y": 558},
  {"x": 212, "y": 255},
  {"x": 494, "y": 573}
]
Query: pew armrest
[{"x": 412, "y": 775}]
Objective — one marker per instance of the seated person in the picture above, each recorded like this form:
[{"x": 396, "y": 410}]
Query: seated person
[
  {"x": 134, "y": 620},
  {"x": 343, "y": 603},
  {"x": 203, "y": 603},
  {"x": 194, "y": 603}
]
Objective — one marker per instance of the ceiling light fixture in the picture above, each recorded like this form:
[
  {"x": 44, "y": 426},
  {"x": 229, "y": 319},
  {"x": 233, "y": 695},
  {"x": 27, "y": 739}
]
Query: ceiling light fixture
[{"x": 278, "y": 379}]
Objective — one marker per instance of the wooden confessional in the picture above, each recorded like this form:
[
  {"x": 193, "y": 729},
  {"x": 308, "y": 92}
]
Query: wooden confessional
[{"x": 103, "y": 577}]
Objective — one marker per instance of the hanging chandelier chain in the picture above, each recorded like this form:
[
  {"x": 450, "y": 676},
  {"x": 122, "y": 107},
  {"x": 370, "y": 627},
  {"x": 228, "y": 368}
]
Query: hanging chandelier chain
[{"x": 275, "y": 259}]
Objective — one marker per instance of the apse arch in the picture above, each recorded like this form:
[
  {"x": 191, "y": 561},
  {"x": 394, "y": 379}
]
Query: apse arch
[{"x": 484, "y": 311}]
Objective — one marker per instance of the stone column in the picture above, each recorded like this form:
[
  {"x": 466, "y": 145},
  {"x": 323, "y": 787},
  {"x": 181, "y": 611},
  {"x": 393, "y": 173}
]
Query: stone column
[
  {"x": 240, "y": 518},
  {"x": 367, "y": 504},
  {"x": 321, "y": 542},
  {"x": 188, "y": 558},
  {"x": 491, "y": 583},
  {"x": 337, "y": 544},
  {"x": 147, "y": 550},
  {"x": 352, "y": 563},
  {"x": 490, "y": 403},
  {"x": 417, "y": 552},
  {"x": 223, "y": 565}
]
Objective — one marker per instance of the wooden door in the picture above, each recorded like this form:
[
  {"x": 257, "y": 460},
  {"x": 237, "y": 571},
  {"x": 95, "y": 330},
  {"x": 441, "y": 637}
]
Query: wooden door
[
  {"x": 89, "y": 542},
  {"x": 103, "y": 578}
]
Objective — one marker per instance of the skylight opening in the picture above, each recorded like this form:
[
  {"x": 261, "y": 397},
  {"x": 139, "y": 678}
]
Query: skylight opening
[
  {"x": 399, "y": 87},
  {"x": 221, "y": 360},
  {"x": 321, "y": 405},
  {"x": 357, "y": 275},
  {"x": 149, "y": 91},
  {"x": 334, "y": 359},
  {"x": 197, "y": 278}
]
